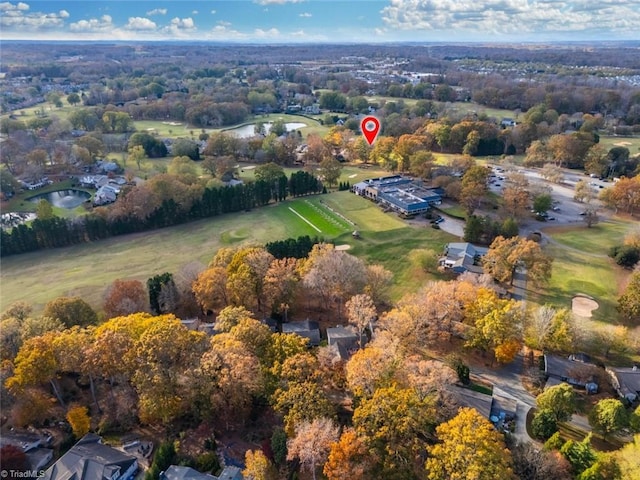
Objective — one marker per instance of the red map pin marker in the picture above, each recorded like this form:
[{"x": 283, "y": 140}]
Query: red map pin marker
[{"x": 370, "y": 127}]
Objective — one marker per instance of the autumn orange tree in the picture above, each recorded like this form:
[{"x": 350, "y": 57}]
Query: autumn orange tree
[
  {"x": 124, "y": 297},
  {"x": 469, "y": 447},
  {"x": 349, "y": 458},
  {"x": 373, "y": 367},
  {"x": 281, "y": 283},
  {"x": 624, "y": 195},
  {"x": 474, "y": 187},
  {"x": 229, "y": 376},
  {"x": 505, "y": 255}
]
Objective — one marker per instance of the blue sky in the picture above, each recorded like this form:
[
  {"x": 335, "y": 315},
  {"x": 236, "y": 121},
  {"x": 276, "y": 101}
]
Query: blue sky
[{"x": 288, "y": 21}]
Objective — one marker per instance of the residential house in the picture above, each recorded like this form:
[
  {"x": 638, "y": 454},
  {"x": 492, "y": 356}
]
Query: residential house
[
  {"x": 33, "y": 445},
  {"x": 305, "y": 328},
  {"x": 231, "y": 472},
  {"x": 507, "y": 122},
  {"x": 573, "y": 370},
  {"x": 463, "y": 257},
  {"x": 626, "y": 381},
  {"x": 90, "y": 459},
  {"x": 175, "y": 472},
  {"x": 191, "y": 323},
  {"x": 345, "y": 339},
  {"x": 106, "y": 194}
]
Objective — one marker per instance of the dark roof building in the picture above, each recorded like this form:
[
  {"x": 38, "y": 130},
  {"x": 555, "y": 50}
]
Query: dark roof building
[
  {"x": 305, "y": 328},
  {"x": 90, "y": 459},
  {"x": 572, "y": 370},
  {"x": 402, "y": 194},
  {"x": 33, "y": 446},
  {"x": 463, "y": 257},
  {"x": 626, "y": 381},
  {"x": 345, "y": 339},
  {"x": 175, "y": 472}
]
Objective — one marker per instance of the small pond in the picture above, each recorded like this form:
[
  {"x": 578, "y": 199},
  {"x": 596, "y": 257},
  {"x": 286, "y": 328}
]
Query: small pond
[
  {"x": 63, "y": 198},
  {"x": 247, "y": 131}
]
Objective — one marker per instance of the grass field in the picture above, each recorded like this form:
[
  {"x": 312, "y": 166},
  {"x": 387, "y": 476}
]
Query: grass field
[
  {"x": 632, "y": 143},
  {"x": 581, "y": 265},
  {"x": 86, "y": 270},
  {"x": 175, "y": 129}
]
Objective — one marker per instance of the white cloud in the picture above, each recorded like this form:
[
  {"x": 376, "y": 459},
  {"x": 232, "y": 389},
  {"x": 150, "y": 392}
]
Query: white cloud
[
  {"x": 17, "y": 18},
  {"x": 213, "y": 12},
  {"x": 180, "y": 27},
  {"x": 305, "y": 15},
  {"x": 223, "y": 32},
  {"x": 298, "y": 33},
  {"x": 271, "y": 33},
  {"x": 8, "y": 6},
  {"x": 140, "y": 24},
  {"x": 194, "y": 12},
  {"x": 103, "y": 24},
  {"x": 157, "y": 11},
  {"x": 513, "y": 18}
]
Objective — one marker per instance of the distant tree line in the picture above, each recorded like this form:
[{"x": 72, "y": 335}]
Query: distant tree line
[{"x": 61, "y": 232}]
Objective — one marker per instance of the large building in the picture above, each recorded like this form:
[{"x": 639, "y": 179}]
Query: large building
[
  {"x": 90, "y": 459},
  {"x": 403, "y": 194}
]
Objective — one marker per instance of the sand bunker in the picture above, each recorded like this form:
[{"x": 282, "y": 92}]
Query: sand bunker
[
  {"x": 342, "y": 247},
  {"x": 583, "y": 305}
]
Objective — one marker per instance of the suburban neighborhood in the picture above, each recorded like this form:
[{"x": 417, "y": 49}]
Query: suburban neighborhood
[{"x": 230, "y": 254}]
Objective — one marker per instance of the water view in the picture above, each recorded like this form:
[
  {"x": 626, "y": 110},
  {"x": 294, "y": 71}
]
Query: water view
[
  {"x": 63, "y": 198},
  {"x": 246, "y": 131}
]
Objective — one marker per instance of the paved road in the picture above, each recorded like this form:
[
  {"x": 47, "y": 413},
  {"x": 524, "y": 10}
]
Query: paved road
[{"x": 507, "y": 381}]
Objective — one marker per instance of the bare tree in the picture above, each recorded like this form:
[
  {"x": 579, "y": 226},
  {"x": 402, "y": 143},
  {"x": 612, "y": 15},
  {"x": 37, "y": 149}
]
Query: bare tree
[
  {"x": 312, "y": 443},
  {"x": 361, "y": 312}
]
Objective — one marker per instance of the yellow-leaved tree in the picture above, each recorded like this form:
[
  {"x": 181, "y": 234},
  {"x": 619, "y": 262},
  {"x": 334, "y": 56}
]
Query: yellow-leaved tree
[
  {"x": 258, "y": 466},
  {"x": 470, "y": 447},
  {"x": 78, "y": 418}
]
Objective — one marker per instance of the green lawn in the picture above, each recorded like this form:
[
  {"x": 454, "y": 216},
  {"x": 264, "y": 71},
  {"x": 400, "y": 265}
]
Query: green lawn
[
  {"x": 29, "y": 113},
  {"x": 474, "y": 108},
  {"x": 311, "y": 213},
  {"x": 86, "y": 270},
  {"x": 632, "y": 143},
  {"x": 581, "y": 266}
]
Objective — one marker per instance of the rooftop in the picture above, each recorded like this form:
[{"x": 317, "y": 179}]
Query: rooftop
[{"x": 89, "y": 459}]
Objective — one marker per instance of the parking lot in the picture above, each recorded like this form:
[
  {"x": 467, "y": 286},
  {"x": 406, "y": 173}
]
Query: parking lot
[{"x": 566, "y": 210}]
